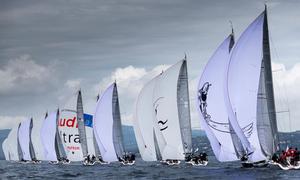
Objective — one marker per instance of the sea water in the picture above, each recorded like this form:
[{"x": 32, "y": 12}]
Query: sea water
[{"x": 142, "y": 170}]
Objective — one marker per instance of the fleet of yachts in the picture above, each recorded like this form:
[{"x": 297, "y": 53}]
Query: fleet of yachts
[{"x": 235, "y": 100}]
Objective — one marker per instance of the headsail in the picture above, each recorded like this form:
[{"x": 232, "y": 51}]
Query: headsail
[
  {"x": 48, "y": 134},
  {"x": 13, "y": 144},
  {"x": 211, "y": 104},
  {"x": 24, "y": 139},
  {"x": 36, "y": 140},
  {"x": 143, "y": 123},
  {"x": 5, "y": 149},
  {"x": 245, "y": 66}
]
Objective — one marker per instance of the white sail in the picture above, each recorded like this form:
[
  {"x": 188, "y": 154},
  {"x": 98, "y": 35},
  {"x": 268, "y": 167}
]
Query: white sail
[
  {"x": 166, "y": 110},
  {"x": 143, "y": 122},
  {"x": 12, "y": 142},
  {"x": 48, "y": 133},
  {"x": 211, "y": 103},
  {"x": 36, "y": 140},
  {"x": 68, "y": 130},
  {"x": 103, "y": 125},
  {"x": 24, "y": 139},
  {"x": 243, "y": 81},
  {"x": 5, "y": 149}
]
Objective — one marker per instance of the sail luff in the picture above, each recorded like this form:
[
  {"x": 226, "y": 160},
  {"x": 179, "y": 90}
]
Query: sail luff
[{"x": 81, "y": 126}]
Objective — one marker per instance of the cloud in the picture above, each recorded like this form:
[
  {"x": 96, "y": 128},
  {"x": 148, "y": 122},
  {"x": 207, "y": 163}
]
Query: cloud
[
  {"x": 23, "y": 74},
  {"x": 287, "y": 97},
  {"x": 130, "y": 81},
  {"x": 10, "y": 121}
]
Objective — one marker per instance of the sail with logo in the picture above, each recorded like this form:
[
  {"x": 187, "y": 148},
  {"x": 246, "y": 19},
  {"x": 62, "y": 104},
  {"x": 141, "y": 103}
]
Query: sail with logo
[
  {"x": 212, "y": 107},
  {"x": 108, "y": 128}
]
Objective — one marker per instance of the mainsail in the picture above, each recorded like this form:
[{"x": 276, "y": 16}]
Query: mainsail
[
  {"x": 81, "y": 126},
  {"x": 59, "y": 147},
  {"x": 24, "y": 139},
  {"x": 212, "y": 107},
  {"x": 266, "y": 113},
  {"x": 167, "y": 110},
  {"x": 107, "y": 125},
  {"x": 48, "y": 135},
  {"x": 253, "y": 102}
]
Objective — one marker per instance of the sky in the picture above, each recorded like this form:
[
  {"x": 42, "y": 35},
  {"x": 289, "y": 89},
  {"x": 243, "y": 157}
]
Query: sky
[{"x": 49, "y": 49}]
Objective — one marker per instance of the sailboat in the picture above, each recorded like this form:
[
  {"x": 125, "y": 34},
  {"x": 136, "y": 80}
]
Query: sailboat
[
  {"x": 52, "y": 143},
  {"x": 24, "y": 139},
  {"x": 162, "y": 125},
  {"x": 252, "y": 103},
  {"x": 108, "y": 128},
  {"x": 87, "y": 155}
]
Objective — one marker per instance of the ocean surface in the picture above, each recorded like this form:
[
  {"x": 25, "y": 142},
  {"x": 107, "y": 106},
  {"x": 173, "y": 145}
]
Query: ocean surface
[
  {"x": 153, "y": 170},
  {"x": 141, "y": 170}
]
